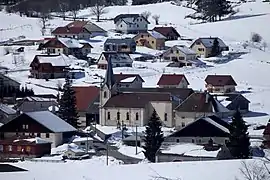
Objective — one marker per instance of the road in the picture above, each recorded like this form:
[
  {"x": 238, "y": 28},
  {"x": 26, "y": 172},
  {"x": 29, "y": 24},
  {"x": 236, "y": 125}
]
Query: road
[{"x": 113, "y": 151}]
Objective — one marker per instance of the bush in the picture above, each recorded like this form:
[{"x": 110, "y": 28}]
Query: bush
[{"x": 255, "y": 37}]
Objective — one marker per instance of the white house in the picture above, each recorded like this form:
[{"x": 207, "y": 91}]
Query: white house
[
  {"x": 130, "y": 23},
  {"x": 117, "y": 60}
]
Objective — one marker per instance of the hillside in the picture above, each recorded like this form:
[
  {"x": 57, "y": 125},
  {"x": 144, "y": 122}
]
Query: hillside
[{"x": 250, "y": 70}]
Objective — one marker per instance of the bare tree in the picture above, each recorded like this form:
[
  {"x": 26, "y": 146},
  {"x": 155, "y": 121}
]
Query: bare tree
[
  {"x": 63, "y": 8},
  {"x": 256, "y": 170},
  {"x": 146, "y": 14},
  {"x": 156, "y": 18},
  {"x": 44, "y": 17},
  {"x": 98, "y": 11},
  {"x": 264, "y": 44},
  {"x": 74, "y": 13}
]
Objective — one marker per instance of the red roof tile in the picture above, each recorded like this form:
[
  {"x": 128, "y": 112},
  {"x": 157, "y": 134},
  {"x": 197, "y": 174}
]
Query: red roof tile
[
  {"x": 171, "y": 79},
  {"x": 77, "y": 24},
  {"x": 267, "y": 129},
  {"x": 220, "y": 80},
  {"x": 165, "y": 31},
  {"x": 120, "y": 77},
  {"x": 66, "y": 30},
  {"x": 84, "y": 96}
]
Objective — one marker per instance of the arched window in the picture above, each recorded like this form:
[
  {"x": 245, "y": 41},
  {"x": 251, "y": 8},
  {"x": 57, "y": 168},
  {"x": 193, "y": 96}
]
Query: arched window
[
  {"x": 108, "y": 115},
  {"x": 127, "y": 115},
  {"x": 118, "y": 115},
  {"x": 137, "y": 116},
  {"x": 105, "y": 94}
]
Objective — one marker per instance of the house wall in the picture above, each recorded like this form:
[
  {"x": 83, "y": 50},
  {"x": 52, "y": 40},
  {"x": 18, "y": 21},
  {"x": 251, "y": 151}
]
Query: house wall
[
  {"x": 102, "y": 62},
  {"x": 131, "y": 48},
  {"x": 196, "y": 140},
  {"x": 8, "y": 82},
  {"x": 52, "y": 50},
  {"x": 220, "y": 89},
  {"x": 137, "y": 83},
  {"x": 150, "y": 41},
  {"x": 200, "y": 50},
  {"x": 160, "y": 44},
  {"x": 183, "y": 84},
  {"x": 87, "y": 144},
  {"x": 121, "y": 26},
  {"x": 84, "y": 35},
  {"x": 163, "y": 109}
]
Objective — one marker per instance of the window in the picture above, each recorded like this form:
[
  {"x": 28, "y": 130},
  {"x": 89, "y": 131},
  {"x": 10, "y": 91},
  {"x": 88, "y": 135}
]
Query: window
[
  {"x": 198, "y": 42},
  {"x": 137, "y": 116},
  {"x": 165, "y": 117},
  {"x": 177, "y": 140},
  {"x": 121, "y": 25},
  {"x": 201, "y": 49},
  {"x": 82, "y": 143},
  {"x": 1, "y": 148},
  {"x": 127, "y": 116},
  {"x": 118, "y": 115},
  {"x": 183, "y": 124},
  {"x": 105, "y": 94},
  {"x": 38, "y": 134},
  {"x": 136, "y": 42},
  {"x": 177, "y": 51},
  {"x": 19, "y": 148},
  {"x": 171, "y": 51},
  {"x": 108, "y": 115},
  {"x": 58, "y": 50},
  {"x": 28, "y": 149},
  {"x": 26, "y": 126},
  {"x": 47, "y": 135},
  {"x": 10, "y": 148},
  {"x": 152, "y": 42},
  {"x": 200, "y": 141},
  {"x": 141, "y": 19},
  {"x": 141, "y": 36},
  {"x": 137, "y": 25},
  {"x": 192, "y": 141}
]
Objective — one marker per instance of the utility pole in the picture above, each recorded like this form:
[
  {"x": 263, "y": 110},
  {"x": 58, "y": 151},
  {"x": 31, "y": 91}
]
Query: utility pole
[
  {"x": 136, "y": 134},
  {"x": 107, "y": 154}
]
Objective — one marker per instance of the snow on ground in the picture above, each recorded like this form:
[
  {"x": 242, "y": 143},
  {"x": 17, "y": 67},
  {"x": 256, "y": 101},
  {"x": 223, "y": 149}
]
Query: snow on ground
[
  {"x": 131, "y": 151},
  {"x": 189, "y": 149},
  {"x": 94, "y": 169}
]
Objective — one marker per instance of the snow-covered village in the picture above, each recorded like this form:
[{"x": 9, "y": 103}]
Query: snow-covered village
[{"x": 134, "y": 89}]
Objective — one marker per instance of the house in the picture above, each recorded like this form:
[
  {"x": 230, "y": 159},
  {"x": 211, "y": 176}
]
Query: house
[
  {"x": 117, "y": 59},
  {"x": 203, "y": 46},
  {"x": 198, "y": 104},
  {"x": 28, "y": 147},
  {"x": 128, "y": 80},
  {"x": 48, "y": 67},
  {"x": 179, "y": 53},
  {"x": 130, "y": 23},
  {"x": 201, "y": 131},
  {"x": 75, "y": 154},
  {"x": 34, "y": 103},
  {"x": 150, "y": 39},
  {"x": 173, "y": 81},
  {"x": 68, "y": 46},
  {"x": 6, "y": 114},
  {"x": 125, "y": 45},
  {"x": 266, "y": 135},
  {"x": 169, "y": 32},
  {"x": 85, "y": 97},
  {"x": 85, "y": 143},
  {"x": 220, "y": 83},
  {"x": 79, "y": 30},
  {"x": 233, "y": 101},
  {"x": 8, "y": 83},
  {"x": 42, "y": 124}
]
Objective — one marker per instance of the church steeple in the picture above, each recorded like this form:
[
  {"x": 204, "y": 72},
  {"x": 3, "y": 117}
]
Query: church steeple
[{"x": 109, "y": 77}]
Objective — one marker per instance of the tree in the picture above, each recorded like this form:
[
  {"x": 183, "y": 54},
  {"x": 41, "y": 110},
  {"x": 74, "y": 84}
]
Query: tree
[
  {"x": 63, "y": 8},
  {"x": 146, "y": 14},
  {"x": 254, "y": 171},
  {"x": 239, "y": 138},
  {"x": 156, "y": 18},
  {"x": 98, "y": 11},
  {"x": 67, "y": 105},
  {"x": 153, "y": 138},
  {"x": 264, "y": 44},
  {"x": 43, "y": 23},
  {"x": 255, "y": 37},
  {"x": 215, "y": 48}
]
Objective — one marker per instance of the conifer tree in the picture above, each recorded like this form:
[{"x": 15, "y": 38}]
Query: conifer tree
[
  {"x": 67, "y": 105},
  {"x": 239, "y": 138},
  {"x": 215, "y": 48},
  {"x": 153, "y": 138}
]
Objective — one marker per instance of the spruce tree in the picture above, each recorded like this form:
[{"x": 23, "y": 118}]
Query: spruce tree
[
  {"x": 153, "y": 138},
  {"x": 67, "y": 105},
  {"x": 239, "y": 138},
  {"x": 215, "y": 48}
]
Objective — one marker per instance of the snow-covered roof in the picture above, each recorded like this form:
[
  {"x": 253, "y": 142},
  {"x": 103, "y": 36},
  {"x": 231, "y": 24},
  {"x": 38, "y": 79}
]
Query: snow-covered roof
[
  {"x": 53, "y": 60},
  {"x": 156, "y": 34},
  {"x": 208, "y": 42},
  {"x": 185, "y": 50},
  {"x": 82, "y": 139},
  {"x": 223, "y": 100},
  {"x": 51, "y": 121},
  {"x": 34, "y": 98},
  {"x": 70, "y": 43},
  {"x": 6, "y": 109},
  {"x": 209, "y": 120},
  {"x": 220, "y": 107},
  {"x": 36, "y": 140},
  {"x": 128, "y": 80},
  {"x": 53, "y": 108}
]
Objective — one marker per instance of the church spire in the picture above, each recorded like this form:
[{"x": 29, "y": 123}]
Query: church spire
[{"x": 109, "y": 77}]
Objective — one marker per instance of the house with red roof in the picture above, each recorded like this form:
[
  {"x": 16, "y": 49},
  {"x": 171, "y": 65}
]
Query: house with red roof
[
  {"x": 87, "y": 101},
  {"x": 220, "y": 84},
  {"x": 169, "y": 32},
  {"x": 173, "y": 81}
]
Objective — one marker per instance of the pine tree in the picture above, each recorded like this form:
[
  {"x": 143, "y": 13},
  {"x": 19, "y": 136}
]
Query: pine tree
[
  {"x": 153, "y": 138},
  {"x": 215, "y": 48},
  {"x": 239, "y": 138},
  {"x": 67, "y": 105}
]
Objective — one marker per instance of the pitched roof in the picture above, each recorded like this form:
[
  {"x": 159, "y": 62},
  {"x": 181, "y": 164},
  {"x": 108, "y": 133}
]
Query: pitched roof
[
  {"x": 91, "y": 27},
  {"x": 171, "y": 79},
  {"x": 70, "y": 43},
  {"x": 181, "y": 93},
  {"x": 185, "y": 49},
  {"x": 85, "y": 96},
  {"x": 50, "y": 121},
  {"x": 220, "y": 80},
  {"x": 67, "y": 30},
  {"x": 116, "y": 56},
  {"x": 208, "y": 42},
  {"x": 77, "y": 24},
  {"x": 203, "y": 127},
  {"x": 136, "y": 100},
  {"x": 201, "y": 102},
  {"x": 121, "y": 77},
  {"x": 156, "y": 34},
  {"x": 166, "y": 30},
  {"x": 125, "y": 16},
  {"x": 7, "y": 110},
  {"x": 54, "y": 60},
  {"x": 9, "y": 79},
  {"x": 120, "y": 41}
]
